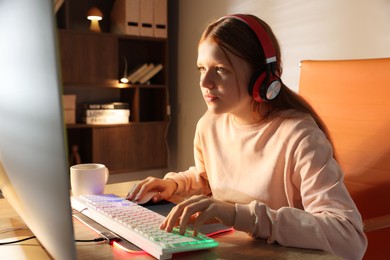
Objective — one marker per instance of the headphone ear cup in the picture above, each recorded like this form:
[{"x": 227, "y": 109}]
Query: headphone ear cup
[
  {"x": 264, "y": 86},
  {"x": 271, "y": 88},
  {"x": 255, "y": 86}
]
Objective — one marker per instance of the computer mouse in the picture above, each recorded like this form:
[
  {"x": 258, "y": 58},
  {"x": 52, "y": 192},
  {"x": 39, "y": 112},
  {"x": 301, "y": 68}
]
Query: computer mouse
[{"x": 148, "y": 196}]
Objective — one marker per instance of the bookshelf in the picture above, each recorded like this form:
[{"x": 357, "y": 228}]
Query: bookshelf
[{"x": 92, "y": 64}]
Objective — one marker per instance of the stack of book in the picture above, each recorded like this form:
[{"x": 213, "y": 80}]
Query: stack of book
[
  {"x": 143, "y": 73},
  {"x": 106, "y": 113}
]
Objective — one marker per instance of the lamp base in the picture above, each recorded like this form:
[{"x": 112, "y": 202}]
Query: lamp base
[{"x": 95, "y": 26}]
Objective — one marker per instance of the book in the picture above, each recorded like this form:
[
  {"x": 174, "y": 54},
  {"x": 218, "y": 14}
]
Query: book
[
  {"x": 148, "y": 68},
  {"x": 138, "y": 71},
  {"x": 105, "y": 120},
  {"x": 150, "y": 74},
  {"x": 106, "y": 112},
  {"x": 111, "y": 105}
]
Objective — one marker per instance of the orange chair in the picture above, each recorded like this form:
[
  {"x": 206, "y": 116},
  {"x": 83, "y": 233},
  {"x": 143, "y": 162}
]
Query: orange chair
[{"x": 353, "y": 99}]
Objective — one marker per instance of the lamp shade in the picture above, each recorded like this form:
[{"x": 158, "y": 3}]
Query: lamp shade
[{"x": 94, "y": 13}]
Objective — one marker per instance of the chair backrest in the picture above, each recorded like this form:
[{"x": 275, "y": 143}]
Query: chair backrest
[{"x": 353, "y": 99}]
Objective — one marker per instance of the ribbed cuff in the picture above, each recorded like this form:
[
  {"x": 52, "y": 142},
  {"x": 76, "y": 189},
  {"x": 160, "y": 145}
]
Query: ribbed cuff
[
  {"x": 244, "y": 220},
  {"x": 179, "y": 179},
  {"x": 254, "y": 218}
]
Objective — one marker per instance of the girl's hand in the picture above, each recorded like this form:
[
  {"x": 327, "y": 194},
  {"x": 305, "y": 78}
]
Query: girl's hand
[
  {"x": 164, "y": 187},
  {"x": 199, "y": 209}
]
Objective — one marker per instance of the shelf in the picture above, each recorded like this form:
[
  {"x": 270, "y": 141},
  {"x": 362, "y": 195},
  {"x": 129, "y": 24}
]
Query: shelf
[{"x": 92, "y": 64}]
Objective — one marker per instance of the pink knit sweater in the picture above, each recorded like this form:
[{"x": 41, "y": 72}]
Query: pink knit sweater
[{"x": 282, "y": 178}]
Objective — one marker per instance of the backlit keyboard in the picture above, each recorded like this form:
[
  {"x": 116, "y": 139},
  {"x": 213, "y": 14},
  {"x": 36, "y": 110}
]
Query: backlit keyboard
[{"x": 139, "y": 225}]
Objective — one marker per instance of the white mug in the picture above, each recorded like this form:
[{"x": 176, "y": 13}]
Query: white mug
[{"x": 88, "y": 178}]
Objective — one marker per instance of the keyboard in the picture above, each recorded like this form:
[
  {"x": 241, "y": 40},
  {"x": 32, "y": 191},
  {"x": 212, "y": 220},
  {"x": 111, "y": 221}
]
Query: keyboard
[{"x": 139, "y": 225}]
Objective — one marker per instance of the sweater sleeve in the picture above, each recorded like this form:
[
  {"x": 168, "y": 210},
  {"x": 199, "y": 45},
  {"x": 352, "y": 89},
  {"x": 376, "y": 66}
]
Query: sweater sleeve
[
  {"x": 190, "y": 182},
  {"x": 329, "y": 219}
]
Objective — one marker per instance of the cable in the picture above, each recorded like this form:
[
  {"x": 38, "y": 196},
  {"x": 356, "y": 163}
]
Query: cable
[
  {"x": 16, "y": 241},
  {"x": 99, "y": 239},
  {"x": 166, "y": 132}
]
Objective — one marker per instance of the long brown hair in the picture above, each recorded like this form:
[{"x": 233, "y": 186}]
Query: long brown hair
[{"x": 238, "y": 38}]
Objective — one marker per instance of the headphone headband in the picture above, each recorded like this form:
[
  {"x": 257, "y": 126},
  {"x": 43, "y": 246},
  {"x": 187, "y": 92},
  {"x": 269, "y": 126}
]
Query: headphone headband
[{"x": 261, "y": 33}]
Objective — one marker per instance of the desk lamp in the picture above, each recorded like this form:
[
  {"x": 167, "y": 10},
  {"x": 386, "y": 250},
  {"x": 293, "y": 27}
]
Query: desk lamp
[
  {"x": 124, "y": 79},
  {"x": 94, "y": 15}
]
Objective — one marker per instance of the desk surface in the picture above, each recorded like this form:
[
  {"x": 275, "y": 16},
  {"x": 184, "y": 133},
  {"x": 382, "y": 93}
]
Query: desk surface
[{"x": 234, "y": 245}]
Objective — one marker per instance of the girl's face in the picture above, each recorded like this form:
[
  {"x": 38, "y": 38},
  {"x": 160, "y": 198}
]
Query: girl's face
[{"x": 223, "y": 83}]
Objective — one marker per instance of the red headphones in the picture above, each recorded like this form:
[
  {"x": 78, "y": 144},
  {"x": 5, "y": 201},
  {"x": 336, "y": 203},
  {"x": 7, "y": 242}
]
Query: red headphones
[{"x": 264, "y": 85}]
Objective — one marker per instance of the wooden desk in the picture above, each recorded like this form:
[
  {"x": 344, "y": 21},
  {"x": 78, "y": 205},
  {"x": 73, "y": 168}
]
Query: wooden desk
[{"x": 234, "y": 245}]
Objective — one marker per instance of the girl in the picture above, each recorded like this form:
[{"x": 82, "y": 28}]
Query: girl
[{"x": 264, "y": 162}]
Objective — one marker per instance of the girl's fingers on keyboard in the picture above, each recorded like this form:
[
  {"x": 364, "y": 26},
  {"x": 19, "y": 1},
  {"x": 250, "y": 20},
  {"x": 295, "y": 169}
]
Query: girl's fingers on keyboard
[{"x": 185, "y": 212}]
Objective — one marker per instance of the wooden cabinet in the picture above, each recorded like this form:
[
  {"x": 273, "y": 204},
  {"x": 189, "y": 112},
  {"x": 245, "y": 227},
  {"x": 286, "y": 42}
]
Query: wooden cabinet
[
  {"x": 92, "y": 64},
  {"x": 88, "y": 58},
  {"x": 124, "y": 148}
]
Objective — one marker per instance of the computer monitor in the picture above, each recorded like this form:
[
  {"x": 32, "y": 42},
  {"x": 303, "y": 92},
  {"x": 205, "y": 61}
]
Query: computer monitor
[{"x": 34, "y": 173}]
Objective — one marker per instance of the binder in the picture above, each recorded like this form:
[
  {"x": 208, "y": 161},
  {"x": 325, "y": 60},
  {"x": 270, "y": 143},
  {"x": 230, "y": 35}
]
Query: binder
[
  {"x": 125, "y": 17},
  {"x": 146, "y": 17},
  {"x": 160, "y": 13}
]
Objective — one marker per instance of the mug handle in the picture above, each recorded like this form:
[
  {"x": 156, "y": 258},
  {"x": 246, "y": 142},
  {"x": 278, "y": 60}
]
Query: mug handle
[{"x": 107, "y": 173}]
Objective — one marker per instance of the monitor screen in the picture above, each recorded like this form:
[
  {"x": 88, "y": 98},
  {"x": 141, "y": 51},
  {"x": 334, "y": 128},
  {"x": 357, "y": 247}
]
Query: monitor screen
[{"x": 34, "y": 173}]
